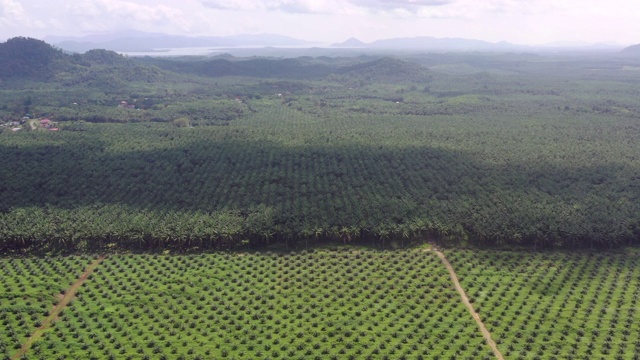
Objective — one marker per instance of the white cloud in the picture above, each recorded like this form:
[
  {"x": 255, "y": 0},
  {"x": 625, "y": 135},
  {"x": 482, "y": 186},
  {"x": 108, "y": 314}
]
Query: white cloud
[
  {"x": 408, "y": 6},
  {"x": 286, "y": 6},
  {"x": 528, "y": 21},
  {"x": 11, "y": 8},
  {"x": 402, "y": 8},
  {"x": 113, "y": 12},
  {"x": 11, "y": 12},
  {"x": 293, "y": 6},
  {"x": 326, "y": 6}
]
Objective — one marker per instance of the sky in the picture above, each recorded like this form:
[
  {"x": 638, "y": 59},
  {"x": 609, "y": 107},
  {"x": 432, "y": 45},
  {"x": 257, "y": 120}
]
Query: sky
[{"x": 328, "y": 21}]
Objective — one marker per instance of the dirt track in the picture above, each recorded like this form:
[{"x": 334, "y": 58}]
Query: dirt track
[
  {"x": 64, "y": 301},
  {"x": 467, "y": 303}
]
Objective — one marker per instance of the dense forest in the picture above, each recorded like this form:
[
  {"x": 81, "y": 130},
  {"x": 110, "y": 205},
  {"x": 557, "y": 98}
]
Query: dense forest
[{"x": 485, "y": 149}]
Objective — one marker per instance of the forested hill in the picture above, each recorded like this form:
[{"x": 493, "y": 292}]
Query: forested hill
[
  {"x": 24, "y": 57},
  {"x": 384, "y": 69},
  {"x": 38, "y": 61},
  {"x": 35, "y": 60},
  {"x": 21, "y": 56},
  {"x": 387, "y": 70}
]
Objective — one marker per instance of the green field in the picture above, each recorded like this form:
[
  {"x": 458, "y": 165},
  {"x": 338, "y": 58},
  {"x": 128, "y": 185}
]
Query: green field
[
  {"x": 341, "y": 302},
  {"x": 29, "y": 287},
  {"x": 324, "y": 304},
  {"x": 556, "y": 305}
]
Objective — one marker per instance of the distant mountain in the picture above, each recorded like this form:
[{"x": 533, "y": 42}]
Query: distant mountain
[
  {"x": 136, "y": 41},
  {"x": 432, "y": 44},
  {"x": 633, "y": 50},
  {"x": 350, "y": 43},
  {"x": 427, "y": 43},
  {"x": 568, "y": 44},
  {"x": 104, "y": 37},
  {"x": 579, "y": 46},
  {"x": 448, "y": 44}
]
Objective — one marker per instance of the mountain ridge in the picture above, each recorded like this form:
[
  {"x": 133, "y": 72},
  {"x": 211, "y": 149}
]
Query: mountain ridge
[
  {"x": 137, "y": 41},
  {"x": 27, "y": 58},
  {"x": 431, "y": 43}
]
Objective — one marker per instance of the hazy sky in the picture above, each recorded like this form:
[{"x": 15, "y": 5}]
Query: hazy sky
[{"x": 327, "y": 21}]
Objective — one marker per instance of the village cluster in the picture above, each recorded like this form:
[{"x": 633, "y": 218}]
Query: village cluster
[
  {"x": 34, "y": 124},
  {"x": 13, "y": 125},
  {"x": 48, "y": 124}
]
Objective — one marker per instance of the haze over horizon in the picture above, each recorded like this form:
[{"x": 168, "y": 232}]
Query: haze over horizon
[{"x": 530, "y": 22}]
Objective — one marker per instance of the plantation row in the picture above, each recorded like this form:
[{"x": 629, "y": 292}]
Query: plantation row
[
  {"x": 328, "y": 303},
  {"x": 556, "y": 305},
  {"x": 321, "y": 305},
  {"x": 28, "y": 290}
]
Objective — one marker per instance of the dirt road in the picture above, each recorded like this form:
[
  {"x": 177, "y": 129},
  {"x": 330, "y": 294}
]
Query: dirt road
[
  {"x": 467, "y": 303},
  {"x": 66, "y": 299}
]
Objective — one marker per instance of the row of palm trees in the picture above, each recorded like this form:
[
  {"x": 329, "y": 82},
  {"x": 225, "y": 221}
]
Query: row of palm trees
[{"x": 113, "y": 225}]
